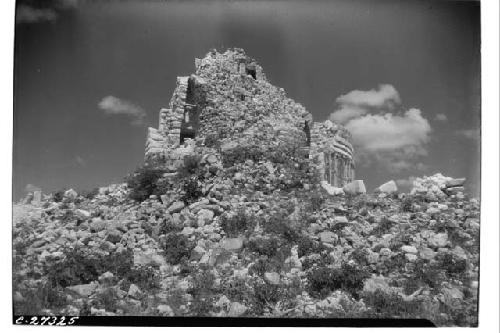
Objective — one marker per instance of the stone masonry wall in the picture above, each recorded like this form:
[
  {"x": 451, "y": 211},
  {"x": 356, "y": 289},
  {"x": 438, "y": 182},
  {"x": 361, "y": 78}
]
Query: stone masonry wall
[{"x": 230, "y": 98}]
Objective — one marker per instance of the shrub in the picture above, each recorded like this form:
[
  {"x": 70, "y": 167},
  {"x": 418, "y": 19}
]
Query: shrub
[
  {"x": 90, "y": 194},
  {"x": 39, "y": 297},
  {"x": 307, "y": 246},
  {"x": 145, "y": 277},
  {"x": 143, "y": 182},
  {"x": 387, "y": 305},
  {"x": 192, "y": 190},
  {"x": 212, "y": 141},
  {"x": 316, "y": 201},
  {"x": 202, "y": 292},
  {"x": 79, "y": 267},
  {"x": 265, "y": 295},
  {"x": 240, "y": 154},
  {"x": 190, "y": 166},
  {"x": 58, "y": 196},
  {"x": 324, "y": 280},
  {"x": 177, "y": 248},
  {"x": 264, "y": 246},
  {"x": 280, "y": 225},
  {"x": 237, "y": 224}
]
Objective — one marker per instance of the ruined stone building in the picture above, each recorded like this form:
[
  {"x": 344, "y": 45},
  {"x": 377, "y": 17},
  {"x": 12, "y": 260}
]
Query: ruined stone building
[{"x": 229, "y": 97}]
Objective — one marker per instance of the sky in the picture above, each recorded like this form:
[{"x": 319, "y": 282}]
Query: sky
[{"x": 403, "y": 76}]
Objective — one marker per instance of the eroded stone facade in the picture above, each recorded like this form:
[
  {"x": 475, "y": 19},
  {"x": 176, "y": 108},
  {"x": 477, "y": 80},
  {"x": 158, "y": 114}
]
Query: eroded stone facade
[{"x": 230, "y": 98}]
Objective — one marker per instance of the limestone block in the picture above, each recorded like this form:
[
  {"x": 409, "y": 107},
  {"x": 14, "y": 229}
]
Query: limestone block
[
  {"x": 355, "y": 187},
  {"x": 389, "y": 187}
]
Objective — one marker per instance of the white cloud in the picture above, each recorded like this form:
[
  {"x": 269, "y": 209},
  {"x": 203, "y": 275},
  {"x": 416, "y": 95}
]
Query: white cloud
[
  {"x": 389, "y": 132},
  {"x": 346, "y": 113},
  {"x": 116, "y": 106},
  {"x": 382, "y": 133},
  {"x": 28, "y": 14},
  {"x": 46, "y": 11},
  {"x": 441, "y": 117},
  {"x": 384, "y": 95}
]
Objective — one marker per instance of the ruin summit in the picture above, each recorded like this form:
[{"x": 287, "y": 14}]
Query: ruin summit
[{"x": 229, "y": 97}]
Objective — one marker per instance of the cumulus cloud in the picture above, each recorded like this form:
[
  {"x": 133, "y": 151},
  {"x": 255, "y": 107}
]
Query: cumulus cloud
[
  {"x": 116, "y": 106},
  {"x": 384, "y": 95},
  {"x": 28, "y": 14},
  {"x": 382, "y": 131},
  {"x": 441, "y": 117},
  {"x": 389, "y": 132},
  {"x": 46, "y": 11}
]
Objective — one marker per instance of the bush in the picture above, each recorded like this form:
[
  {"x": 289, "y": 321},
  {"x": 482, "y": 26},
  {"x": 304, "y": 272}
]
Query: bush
[
  {"x": 192, "y": 190},
  {"x": 264, "y": 246},
  {"x": 58, "y": 196},
  {"x": 190, "y": 166},
  {"x": 391, "y": 305},
  {"x": 90, "y": 194},
  {"x": 145, "y": 277},
  {"x": 143, "y": 182},
  {"x": 280, "y": 225},
  {"x": 240, "y": 154},
  {"x": 79, "y": 267},
  {"x": 237, "y": 224},
  {"x": 265, "y": 295},
  {"x": 203, "y": 293},
  {"x": 307, "y": 246},
  {"x": 177, "y": 248},
  {"x": 212, "y": 141},
  {"x": 42, "y": 296},
  {"x": 316, "y": 201},
  {"x": 348, "y": 278}
]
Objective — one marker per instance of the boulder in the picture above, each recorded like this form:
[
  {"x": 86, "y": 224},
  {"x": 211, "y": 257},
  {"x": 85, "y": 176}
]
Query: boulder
[
  {"x": 97, "y": 224},
  {"x": 409, "y": 249},
  {"x": 176, "y": 207},
  {"x": 134, "y": 291},
  {"x": 333, "y": 191},
  {"x": 82, "y": 213},
  {"x": 438, "y": 240},
  {"x": 452, "y": 297},
  {"x": 165, "y": 310},
  {"x": 71, "y": 194},
  {"x": 328, "y": 237},
  {"x": 427, "y": 253},
  {"x": 272, "y": 277},
  {"x": 455, "y": 182},
  {"x": 237, "y": 309},
  {"x": 389, "y": 187},
  {"x": 197, "y": 253},
  {"x": 232, "y": 244},
  {"x": 114, "y": 236},
  {"x": 84, "y": 290},
  {"x": 204, "y": 216},
  {"x": 355, "y": 187}
]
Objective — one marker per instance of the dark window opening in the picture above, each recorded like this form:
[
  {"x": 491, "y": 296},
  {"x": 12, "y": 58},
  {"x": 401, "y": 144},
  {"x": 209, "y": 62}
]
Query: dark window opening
[
  {"x": 307, "y": 130},
  {"x": 242, "y": 97},
  {"x": 187, "y": 133},
  {"x": 252, "y": 72}
]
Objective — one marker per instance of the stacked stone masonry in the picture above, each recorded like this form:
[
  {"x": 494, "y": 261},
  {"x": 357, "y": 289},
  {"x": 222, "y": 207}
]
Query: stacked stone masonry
[{"x": 230, "y": 98}]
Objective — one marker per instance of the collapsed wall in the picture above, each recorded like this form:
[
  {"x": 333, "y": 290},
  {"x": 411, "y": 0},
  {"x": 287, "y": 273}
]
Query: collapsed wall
[{"x": 229, "y": 98}]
